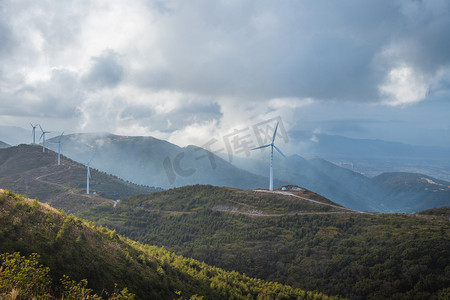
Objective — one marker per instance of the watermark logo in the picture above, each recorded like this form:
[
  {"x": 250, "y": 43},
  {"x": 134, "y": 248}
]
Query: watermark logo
[{"x": 239, "y": 141}]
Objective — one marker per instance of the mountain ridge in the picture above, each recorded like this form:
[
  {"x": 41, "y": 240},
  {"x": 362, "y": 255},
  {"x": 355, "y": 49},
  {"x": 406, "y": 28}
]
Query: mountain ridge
[{"x": 146, "y": 160}]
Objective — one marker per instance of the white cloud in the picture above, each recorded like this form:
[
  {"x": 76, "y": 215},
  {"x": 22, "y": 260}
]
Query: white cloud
[{"x": 404, "y": 86}]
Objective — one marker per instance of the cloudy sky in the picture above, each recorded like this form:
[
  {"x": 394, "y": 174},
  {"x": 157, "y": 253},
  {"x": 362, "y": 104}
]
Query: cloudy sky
[{"x": 189, "y": 71}]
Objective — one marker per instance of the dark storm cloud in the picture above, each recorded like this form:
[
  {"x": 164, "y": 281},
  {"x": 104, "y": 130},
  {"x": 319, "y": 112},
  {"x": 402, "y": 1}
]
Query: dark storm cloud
[
  {"x": 106, "y": 71},
  {"x": 340, "y": 50}
]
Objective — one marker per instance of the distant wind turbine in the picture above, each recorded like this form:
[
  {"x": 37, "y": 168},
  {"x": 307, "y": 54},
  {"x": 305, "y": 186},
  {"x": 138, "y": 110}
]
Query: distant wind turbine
[
  {"x": 43, "y": 138},
  {"x": 272, "y": 145},
  {"x": 34, "y": 132},
  {"x": 59, "y": 148},
  {"x": 88, "y": 165}
]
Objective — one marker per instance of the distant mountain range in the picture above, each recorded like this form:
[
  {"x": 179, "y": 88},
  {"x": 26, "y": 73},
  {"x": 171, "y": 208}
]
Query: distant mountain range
[
  {"x": 369, "y": 157},
  {"x": 152, "y": 162},
  {"x": 372, "y": 157}
]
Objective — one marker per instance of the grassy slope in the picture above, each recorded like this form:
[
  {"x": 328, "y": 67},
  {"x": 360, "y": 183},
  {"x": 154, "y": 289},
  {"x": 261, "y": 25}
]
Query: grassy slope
[
  {"x": 27, "y": 170},
  {"x": 285, "y": 239},
  {"x": 74, "y": 247}
]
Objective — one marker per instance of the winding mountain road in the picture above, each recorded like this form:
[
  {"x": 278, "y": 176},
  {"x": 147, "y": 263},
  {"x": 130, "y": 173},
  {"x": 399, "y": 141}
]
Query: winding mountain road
[{"x": 310, "y": 200}]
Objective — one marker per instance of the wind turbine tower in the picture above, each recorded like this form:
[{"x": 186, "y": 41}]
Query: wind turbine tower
[
  {"x": 272, "y": 145},
  {"x": 88, "y": 175},
  {"x": 34, "y": 132},
  {"x": 43, "y": 138},
  {"x": 59, "y": 148}
]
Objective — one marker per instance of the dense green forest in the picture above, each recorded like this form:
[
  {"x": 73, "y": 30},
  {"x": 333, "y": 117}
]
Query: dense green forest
[
  {"x": 69, "y": 256},
  {"x": 296, "y": 242}
]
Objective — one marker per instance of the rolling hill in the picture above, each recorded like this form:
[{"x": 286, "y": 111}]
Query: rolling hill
[
  {"x": 27, "y": 170},
  {"x": 81, "y": 250},
  {"x": 293, "y": 236}
]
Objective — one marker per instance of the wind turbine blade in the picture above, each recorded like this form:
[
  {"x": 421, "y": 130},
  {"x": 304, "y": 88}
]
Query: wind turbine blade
[
  {"x": 60, "y": 137},
  {"x": 275, "y": 133},
  {"x": 261, "y": 147},
  {"x": 279, "y": 151},
  {"x": 41, "y": 136},
  {"x": 41, "y": 128}
]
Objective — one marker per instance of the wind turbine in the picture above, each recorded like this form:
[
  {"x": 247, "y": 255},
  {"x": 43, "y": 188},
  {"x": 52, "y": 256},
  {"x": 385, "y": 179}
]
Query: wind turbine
[
  {"x": 88, "y": 174},
  {"x": 59, "y": 148},
  {"x": 272, "y": 145},
  {"x": 43, "y": 138},
  {"x": 34, "y": 132}
]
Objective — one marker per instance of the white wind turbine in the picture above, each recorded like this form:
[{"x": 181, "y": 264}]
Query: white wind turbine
[
  {"x": 43, "y": 138},
  {"x": 88, "y": 165},
  {"x": 59, "y": 148},
  {"x": 34, "y": 133},
  {"x": 272, "y": 145}
]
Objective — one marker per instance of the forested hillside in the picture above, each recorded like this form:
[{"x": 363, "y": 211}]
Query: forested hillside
[
  {"x": 288, "y": 238},
  {"x": 72, "y": 247}
]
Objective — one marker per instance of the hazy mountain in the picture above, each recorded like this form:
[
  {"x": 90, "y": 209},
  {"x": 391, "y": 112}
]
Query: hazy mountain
[
  {"x": 154, "y": 162},
  {"x": 4, "y": 145},
  {"x": 293, "y": 236},
  {"x": 372, "y": 157},
  {"x": 27, "y": 170},
  {"x": 14, "y": 135},
  {"x": 410, "y": 192}
]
